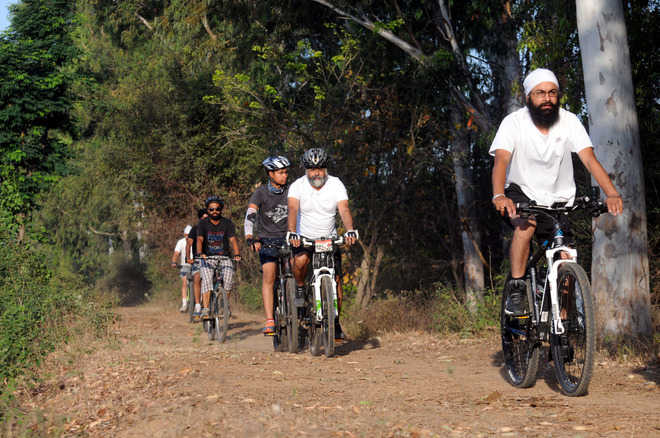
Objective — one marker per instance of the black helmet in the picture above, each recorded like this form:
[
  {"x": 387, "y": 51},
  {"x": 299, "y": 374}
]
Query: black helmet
[
  {"x": 275, "y": 162},
  {"x": 214, "y": 198},
  {"x": 315, "y": 158}
]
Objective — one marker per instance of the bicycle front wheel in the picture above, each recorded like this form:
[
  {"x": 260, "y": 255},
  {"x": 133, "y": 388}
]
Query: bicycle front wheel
[
  {"x": 292, "y": 331},
  {"x": 328, "y": 299},
  {"x": 519, "y": 346},
  {"x": 573, "y": 351},
  {"x": 222, "y": 315},
  {"x": 191, "y": 300}
]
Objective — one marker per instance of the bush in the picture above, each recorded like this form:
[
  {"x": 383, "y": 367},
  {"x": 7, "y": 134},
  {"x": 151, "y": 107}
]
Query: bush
[
  {"x": 34, "y": 303},
  {"x": 440, "y": 311}
]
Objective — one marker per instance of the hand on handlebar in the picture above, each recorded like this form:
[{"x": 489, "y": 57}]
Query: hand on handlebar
[
  {"x": 614, "y": 205},
  {"x": 503, "y": 204},
  {"x": 293, "y": 239},
  {"x": 350, "y": 237}
]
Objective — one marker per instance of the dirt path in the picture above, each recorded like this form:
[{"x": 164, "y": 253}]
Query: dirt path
[{"x": 163, "y": 378}]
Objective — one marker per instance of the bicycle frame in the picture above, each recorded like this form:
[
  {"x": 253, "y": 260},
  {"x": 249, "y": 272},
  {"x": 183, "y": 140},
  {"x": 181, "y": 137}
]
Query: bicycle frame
[{"x": 323, "y": 265}]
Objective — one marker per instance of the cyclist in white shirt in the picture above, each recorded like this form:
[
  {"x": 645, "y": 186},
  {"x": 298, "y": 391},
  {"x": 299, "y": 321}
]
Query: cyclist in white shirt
[
  {"x": 532, "y": 150},
  {"x": 180, "y": 258},
  {"x": 314, "y": 200}
]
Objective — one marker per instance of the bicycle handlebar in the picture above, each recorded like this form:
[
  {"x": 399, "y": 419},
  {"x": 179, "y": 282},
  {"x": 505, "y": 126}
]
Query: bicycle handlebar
[
  {"x": 304, "y": 241},
  {"x": 596, "y": 207}
]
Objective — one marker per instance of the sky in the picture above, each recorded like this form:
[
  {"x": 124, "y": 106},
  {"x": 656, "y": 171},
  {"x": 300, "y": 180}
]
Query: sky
[{"x": 4, "y": 12}]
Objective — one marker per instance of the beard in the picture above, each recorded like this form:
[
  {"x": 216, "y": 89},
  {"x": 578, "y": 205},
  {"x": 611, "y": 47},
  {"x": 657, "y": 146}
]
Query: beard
[
  {"x": 317, "y": 181},
  {"x": 215, "y": 215},
  {"x": 542, "y": 115}
]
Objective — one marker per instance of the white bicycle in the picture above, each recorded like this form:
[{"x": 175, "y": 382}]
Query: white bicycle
[{"x": 559, "y": 309}]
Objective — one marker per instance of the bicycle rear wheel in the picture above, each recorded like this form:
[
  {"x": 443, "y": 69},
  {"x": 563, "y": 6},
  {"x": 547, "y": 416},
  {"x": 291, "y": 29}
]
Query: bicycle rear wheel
[
  {"x": 328, "y": 303},
  {"x": 280, "y": 338},
  {"x": 519, "y": 346},
  {"x": 191, "y": 299},
  {"x": 221, "y": 315},
  {"x": 573, "y": 351},
  {"x": 292, "y": 327}
]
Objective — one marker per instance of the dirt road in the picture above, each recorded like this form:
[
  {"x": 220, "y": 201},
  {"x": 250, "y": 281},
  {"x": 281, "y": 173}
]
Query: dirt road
[{"x": 163, "y": 378}]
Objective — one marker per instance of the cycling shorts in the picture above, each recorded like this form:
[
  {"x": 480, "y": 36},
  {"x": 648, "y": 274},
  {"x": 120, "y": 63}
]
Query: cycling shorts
[
  {"x": 185, "y": 269},
  {"x": 544, "y": 226},
  {"x": 268, "y": 254}
]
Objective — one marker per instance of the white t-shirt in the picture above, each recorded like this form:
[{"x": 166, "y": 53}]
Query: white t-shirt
[
  {"x": 181, "y": 249},
  {"x": 541, "y": 164},
  {"x": 316, "y": 215}
]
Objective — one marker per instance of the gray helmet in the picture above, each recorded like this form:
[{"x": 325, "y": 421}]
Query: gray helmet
[
  {"x": 315, "y": 158},
  {"x": 275, "y": 162}
]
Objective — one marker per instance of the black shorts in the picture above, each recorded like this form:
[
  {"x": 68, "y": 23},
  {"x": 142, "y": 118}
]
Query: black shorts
[
  {"x": 267, "y": 253},
  {"x": 310, "y": 253},
  {"x": 544, "y": 226}
]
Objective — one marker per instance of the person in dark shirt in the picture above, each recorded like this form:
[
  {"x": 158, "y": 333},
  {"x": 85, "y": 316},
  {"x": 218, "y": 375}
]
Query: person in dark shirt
[
  {"x": 267, "y": 212},
  {"x": 191, "y": 248},
  {"x": 215, "y": 235}
]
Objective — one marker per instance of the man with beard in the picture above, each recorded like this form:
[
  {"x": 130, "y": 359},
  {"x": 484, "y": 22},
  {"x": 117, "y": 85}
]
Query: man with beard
[
  {"x": 267, "y": 215},
  {"x": 214, "y": 236},
  {"x": 532, "y": 150},
  {"x": 314, "y": 200}
]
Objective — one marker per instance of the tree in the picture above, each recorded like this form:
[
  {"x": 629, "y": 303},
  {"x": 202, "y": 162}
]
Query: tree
[{"x": 620, "y": 269}]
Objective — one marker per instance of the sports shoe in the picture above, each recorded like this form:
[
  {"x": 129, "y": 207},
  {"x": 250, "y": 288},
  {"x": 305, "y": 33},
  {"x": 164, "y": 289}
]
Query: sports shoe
[
  {"x": 205, "y": 312},
  {"x": 339, "y": 333},
  {"x": 299, "y": 300},
  {"x": 184, "y": 306},
  {"x": 515, "y": 298}
]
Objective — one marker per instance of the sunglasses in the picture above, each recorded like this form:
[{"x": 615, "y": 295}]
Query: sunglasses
[{"x": 214, "y": 209}]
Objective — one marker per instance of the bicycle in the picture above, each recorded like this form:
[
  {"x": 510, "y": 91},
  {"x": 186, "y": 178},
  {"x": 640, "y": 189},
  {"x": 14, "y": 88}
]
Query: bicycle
[
  {"x": 559, "y": 310},
  {"x": 284, "y": 312},
  {"x": 320, "y": 310},
  {"x": 216, "y": 323}
]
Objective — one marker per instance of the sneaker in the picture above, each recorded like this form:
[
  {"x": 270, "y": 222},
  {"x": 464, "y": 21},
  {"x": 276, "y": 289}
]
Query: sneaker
[
  {"x": 515, "y": 298},
  {"x": 299, "y": 300},
  {"x": 205, "y": 312},
  {"x": 269, "y": 328},
  {"x": 339, "y": 333},
  {"x": 184, "y": 306}
]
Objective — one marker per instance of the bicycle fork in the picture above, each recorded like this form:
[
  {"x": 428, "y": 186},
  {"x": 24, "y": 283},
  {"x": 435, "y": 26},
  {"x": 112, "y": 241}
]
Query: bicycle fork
[
  {"x": 318, "y": 276},
  {"x": 557, "y": 326}
]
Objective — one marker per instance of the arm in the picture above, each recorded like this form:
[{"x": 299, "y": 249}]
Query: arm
[
  {"x": 501, "y": 202},
  {"x": 175, "y": 257},
  {"x": 292, "y": 219},
  {"x": 234, "y": 248},
  {"x": 613, "y": 200},
  {"x": 200, "y": 242},
  {"x": 189, "y": 242},
  {"x": 248, "y": 226},
  {"x": 346, "y": 218}
]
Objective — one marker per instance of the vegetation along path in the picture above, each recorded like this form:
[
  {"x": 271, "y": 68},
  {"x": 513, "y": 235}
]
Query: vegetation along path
[{"x": 161, "y": 377}]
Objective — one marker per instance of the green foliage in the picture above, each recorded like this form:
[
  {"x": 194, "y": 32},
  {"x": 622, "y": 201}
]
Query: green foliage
[{"x": 36, "y": 301}]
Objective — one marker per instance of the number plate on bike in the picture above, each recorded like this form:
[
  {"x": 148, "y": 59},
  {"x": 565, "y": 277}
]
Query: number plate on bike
[{"x": 323, "y": 245}]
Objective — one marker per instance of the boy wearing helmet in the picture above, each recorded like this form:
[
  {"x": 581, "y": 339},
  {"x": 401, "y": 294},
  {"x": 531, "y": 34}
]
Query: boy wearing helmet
[
  {"x": 267, "y": 212},
  {"x": 314, "y": 200},
  {"x": 215, "y": 235}
]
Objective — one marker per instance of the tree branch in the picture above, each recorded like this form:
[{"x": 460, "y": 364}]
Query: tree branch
[
  {"x": 205, "y": 22},
  {"x": 144, "y": 21},
  {"x": 101, "y": 233}
]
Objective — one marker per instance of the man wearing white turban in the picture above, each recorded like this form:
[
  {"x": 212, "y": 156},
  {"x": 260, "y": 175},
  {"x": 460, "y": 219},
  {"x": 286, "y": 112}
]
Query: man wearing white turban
[{"x": 532, "y": 150}]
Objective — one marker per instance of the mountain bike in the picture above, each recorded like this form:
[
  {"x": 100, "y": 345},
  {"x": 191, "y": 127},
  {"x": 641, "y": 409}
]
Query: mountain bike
[
  {"x": 320, "y": 310},
  {"x": 216, "y": 324},
  {"x": 284, "y": 312},
  {"x": 559, "y": 308}
]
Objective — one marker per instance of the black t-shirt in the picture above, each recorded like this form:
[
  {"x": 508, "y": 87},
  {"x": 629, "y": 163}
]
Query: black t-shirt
[
  {"x": 216, "y": 237},
  {"x": 272, "y": 214}
]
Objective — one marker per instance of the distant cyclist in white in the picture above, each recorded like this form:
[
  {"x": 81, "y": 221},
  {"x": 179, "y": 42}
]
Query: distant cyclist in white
[{"x": 314, "y": 200}]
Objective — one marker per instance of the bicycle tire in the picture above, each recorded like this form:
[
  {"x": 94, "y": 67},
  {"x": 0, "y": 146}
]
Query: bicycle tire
[
  {"x": 327, "y": 297},
  {"x": 222, "y": 317},
  {"x": 292, "y": 323},
  {"x": 573, "y": 351},
  {"x": 280, "y": 340},
  {"x": 520, "y": 349},
  {"x": 191, "y": 300}
]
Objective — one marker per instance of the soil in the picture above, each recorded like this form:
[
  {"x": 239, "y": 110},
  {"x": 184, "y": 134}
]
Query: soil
[{"x": 161, "y": 377}]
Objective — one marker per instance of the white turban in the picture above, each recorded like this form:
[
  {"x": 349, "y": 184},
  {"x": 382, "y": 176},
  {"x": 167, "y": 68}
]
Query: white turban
[
  {"x": 536, "y": 77},
  {"x": 187, "y": 229}
]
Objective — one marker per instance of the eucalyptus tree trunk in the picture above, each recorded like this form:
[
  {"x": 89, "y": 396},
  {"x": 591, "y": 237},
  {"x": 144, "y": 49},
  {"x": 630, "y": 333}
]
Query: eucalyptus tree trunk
[
  {"x": 620, "y": 269},
  {"x": 473, "y": 268}
]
